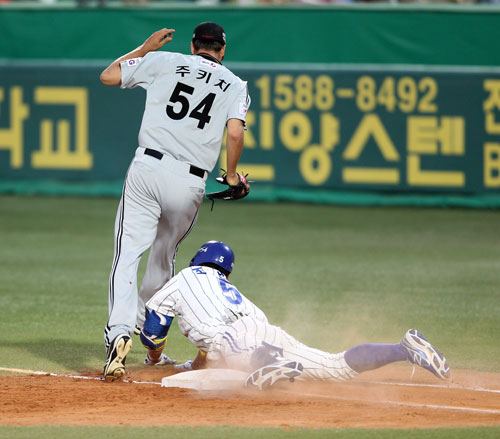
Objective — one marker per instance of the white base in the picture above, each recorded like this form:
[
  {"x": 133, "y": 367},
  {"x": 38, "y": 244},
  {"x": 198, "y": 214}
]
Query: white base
[{"x": 207, "y": 379}]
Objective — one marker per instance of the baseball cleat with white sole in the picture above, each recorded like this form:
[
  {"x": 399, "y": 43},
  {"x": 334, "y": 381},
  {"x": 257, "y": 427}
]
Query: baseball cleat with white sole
[
  {"x": 420, "y": 352},
  {"x": 114, "y": 368},
  {"x": 267, "y": 376}
]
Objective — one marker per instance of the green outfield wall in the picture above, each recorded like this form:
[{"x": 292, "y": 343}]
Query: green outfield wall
[
  {"x": 351, "y": 34},
  {"x": 357, "y": 129},
  {"x": 380, "y": 114}
]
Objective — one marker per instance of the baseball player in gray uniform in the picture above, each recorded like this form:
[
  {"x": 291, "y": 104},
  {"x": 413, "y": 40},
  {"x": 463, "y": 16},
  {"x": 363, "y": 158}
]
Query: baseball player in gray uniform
[
  {"x": 190, "y": 100},
  {"x": 229, "y": 329}
]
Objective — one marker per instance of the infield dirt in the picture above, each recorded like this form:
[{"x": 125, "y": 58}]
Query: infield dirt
[{"x": 379, "y": 399}]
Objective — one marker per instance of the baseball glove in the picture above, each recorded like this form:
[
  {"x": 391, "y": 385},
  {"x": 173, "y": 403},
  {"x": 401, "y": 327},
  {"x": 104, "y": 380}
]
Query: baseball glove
[{"x": 233, "y": 192}]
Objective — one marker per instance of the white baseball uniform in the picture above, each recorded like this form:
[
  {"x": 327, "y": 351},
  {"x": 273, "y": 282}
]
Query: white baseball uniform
[
  {"x": 189, "y": 100},
  {"x": 221, "y": 321}
]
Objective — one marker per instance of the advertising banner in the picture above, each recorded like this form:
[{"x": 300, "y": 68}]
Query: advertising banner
[{"x": 333, "y": 127}]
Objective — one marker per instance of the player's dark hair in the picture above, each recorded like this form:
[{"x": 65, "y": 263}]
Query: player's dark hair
[
  {"x": 216, "y": 267},
  {"x": 213, "y": 46}
]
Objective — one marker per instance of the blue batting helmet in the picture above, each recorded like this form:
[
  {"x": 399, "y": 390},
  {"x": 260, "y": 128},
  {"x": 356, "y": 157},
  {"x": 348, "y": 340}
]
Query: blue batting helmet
[{"x": 214, "y": 252}]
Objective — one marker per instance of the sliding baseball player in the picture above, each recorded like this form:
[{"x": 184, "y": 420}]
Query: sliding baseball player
[{"x": 229, "y": 329}]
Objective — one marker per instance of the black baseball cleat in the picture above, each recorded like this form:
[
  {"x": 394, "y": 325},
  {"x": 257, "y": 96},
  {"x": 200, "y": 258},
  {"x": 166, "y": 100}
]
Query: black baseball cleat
[
  {"x": 114, "y": 368},
  {"x": 267, "y": 376}
]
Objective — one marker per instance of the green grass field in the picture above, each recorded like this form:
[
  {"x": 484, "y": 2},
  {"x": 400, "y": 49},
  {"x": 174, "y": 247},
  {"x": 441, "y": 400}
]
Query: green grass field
[
  {"x": 331, "y": 276},
  {"x": 226, "y": 432}
]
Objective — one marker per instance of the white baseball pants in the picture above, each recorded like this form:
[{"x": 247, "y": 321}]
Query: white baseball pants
[{"x": 242, "y": 337}]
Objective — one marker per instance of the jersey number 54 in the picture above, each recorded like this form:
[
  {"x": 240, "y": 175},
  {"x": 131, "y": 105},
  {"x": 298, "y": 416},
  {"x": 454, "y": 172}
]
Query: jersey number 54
[{"x": 200, "y": 112}]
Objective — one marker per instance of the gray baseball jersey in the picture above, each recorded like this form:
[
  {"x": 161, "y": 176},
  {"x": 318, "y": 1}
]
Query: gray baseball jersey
[
  {"x": 189, "y": 101},
  {"x": 221, "y": 321}
]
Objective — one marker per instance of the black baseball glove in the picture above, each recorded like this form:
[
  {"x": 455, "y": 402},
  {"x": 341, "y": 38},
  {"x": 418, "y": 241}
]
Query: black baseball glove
[{"x": 233, "y": 192}]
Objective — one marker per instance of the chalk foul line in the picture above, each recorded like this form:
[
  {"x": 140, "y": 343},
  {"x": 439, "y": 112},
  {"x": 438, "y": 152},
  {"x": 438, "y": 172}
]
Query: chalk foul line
[
  {"x": 397, "y": 403},
  {"x": 67, "y": 375},
  {"x": 438, "y": 386}
]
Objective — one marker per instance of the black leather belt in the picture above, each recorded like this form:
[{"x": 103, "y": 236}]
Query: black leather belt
[{"x": 192, "y": 169}]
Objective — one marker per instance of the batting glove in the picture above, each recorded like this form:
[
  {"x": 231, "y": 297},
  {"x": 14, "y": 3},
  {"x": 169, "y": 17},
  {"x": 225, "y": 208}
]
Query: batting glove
[
  {"x": 161, "y": 362},
  {"x": 188, "y": 365}
]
